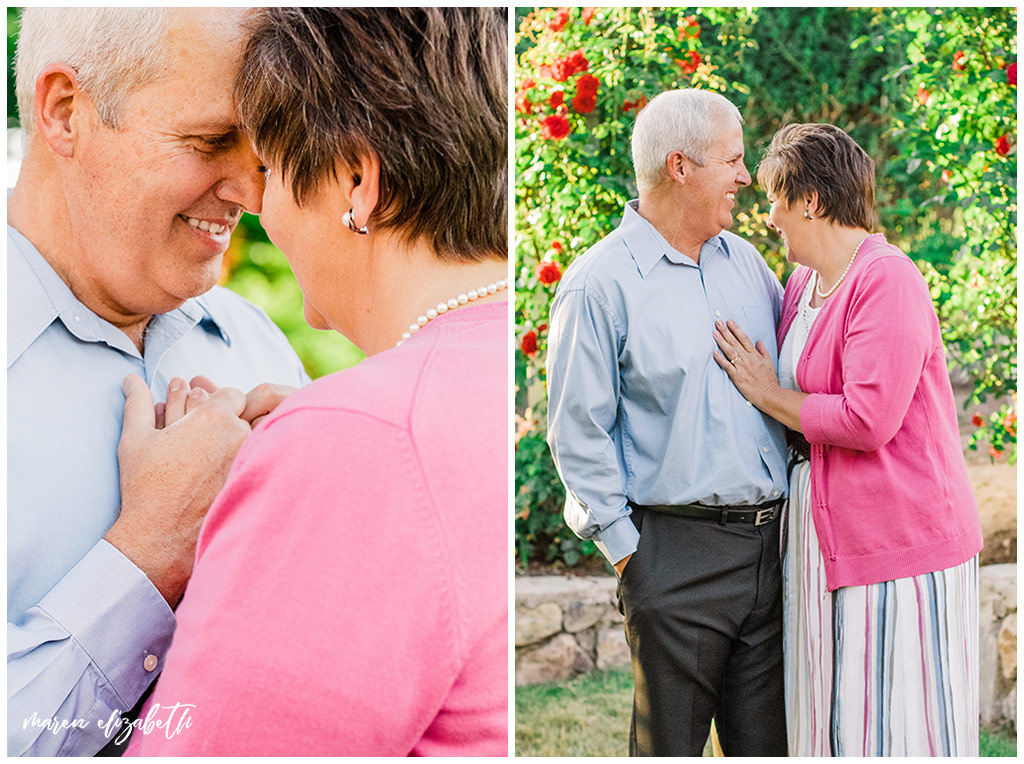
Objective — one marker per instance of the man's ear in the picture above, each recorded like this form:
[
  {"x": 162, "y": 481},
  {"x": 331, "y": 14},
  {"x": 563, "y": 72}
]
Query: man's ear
[
  {"x": 365, "y": 194},
  {"x": 677, "y": 166},
  {"x": 57, "y": 97}
]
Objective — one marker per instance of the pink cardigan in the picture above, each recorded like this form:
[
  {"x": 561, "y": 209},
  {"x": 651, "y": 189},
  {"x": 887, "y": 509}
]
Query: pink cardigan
[
  {"x": 350, "y": 592},
  {"x": 889, "y": 487}
]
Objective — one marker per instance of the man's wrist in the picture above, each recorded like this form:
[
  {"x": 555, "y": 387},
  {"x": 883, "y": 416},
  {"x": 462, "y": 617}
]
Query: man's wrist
[{"x": 166, "y": 576}]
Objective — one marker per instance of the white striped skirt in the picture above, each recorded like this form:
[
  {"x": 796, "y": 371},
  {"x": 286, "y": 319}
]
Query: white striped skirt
[{"x": 888, "y": 669}]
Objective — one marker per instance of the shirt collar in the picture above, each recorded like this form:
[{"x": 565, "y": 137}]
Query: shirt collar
[
  {"x": 647, "y": 246},
  {"x": 37, "y": 297}
]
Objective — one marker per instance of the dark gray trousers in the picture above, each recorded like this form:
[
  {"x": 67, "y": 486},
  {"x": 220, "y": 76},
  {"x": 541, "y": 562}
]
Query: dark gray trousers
[{"x": 703, "y": 608}]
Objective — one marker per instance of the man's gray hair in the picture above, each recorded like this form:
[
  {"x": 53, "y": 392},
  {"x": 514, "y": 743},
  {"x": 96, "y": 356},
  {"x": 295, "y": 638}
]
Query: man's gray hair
[
  {"x": 114, "y": 51},
  {"x": 676, "y": 120}
]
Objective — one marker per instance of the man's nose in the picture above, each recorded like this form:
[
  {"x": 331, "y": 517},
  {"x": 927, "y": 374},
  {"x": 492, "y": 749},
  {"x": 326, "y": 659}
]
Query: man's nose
[
  {"x": 743, "y": 178},
  {"x": 243, "y": 178}
]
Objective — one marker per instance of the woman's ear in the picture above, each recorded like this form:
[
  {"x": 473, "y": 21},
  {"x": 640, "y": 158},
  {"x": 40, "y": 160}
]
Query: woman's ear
[
  {"x": 365, "y": 193},
  {"x": 812, "y": 205},
  {"x": 57, "y": 97}
]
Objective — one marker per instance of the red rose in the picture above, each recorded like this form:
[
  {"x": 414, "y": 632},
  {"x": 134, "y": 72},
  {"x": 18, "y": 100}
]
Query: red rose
[
  {"x": 562, "y": 70},
  {"x": 578, "y": 61},
  {"x": 996, "y": 453},
  {"x": 587, "y": 85},
  {"x": 542, "y": 328},
  {"x": 689, "y": 28},
  {"x": 1010, "y": 423},
  {"x": 922, "y": 95},
  {"x": 636, "y": 105},
  {"x": 557, "y": 246},
  {"x": 554, "y": 128},
  {"x": 584, "y": 104},
  {"x": 689, "y": 67},
  {"x": 557, "y": 24},
  {"x": 1003, "y": 146},
  {"x": 1011, "y": 74},
  {"x": 544, "y": 70},
  {"x": 529, "y": 343},
  {"x": 523, "y": 104},
  {"x": 588, "y": 14},
  {"x": 556, "y": 99},
  {"x": 958, "y": 65},
  {"x": 977, "y": 421},
  {"x": 528, "y": 83},
  {"x": 548, "y": 272}
]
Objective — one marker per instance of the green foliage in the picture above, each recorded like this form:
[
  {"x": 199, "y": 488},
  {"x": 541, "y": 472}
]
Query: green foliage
[
  {"x": 946, "y": 195},
  {"x": 960, "y": 131},
  {"x": 12, "y": 40},
  {"x": 541, "y": 536}
]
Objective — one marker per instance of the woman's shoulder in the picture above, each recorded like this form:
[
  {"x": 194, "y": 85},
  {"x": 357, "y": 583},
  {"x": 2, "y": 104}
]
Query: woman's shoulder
[{"x": 884, "y": 265}]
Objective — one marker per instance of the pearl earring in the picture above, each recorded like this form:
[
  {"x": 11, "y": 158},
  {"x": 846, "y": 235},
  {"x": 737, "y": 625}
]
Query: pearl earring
[
  {"x": 807, "y": 215},
  {"x": 349, "y": 219}
]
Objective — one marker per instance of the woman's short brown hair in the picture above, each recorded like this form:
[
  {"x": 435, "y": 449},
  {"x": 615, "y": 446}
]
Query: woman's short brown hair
[
  {"x": 425, "y": 89},
  {"x": 822, "y": 158}
]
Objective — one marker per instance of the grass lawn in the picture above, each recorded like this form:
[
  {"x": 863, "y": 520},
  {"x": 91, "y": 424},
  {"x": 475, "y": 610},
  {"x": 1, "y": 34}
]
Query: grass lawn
[{"x": 589, "y": 716}]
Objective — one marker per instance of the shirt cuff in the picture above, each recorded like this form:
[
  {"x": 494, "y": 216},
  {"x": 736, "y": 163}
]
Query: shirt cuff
[
  {"x": 618, "y": 540},
  {"x": 117, "y": 616},
  {"x": 812, "y": 414}
]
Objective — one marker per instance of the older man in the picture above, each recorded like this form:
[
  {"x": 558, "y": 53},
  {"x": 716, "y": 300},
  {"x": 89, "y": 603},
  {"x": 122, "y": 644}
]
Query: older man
[
  {"x": 133, "y": 180},
  {"x": 667, "y": 467}
]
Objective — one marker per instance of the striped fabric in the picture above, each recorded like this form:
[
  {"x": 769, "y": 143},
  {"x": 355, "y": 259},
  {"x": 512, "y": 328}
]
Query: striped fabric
[{"x": 888, "y": 669}]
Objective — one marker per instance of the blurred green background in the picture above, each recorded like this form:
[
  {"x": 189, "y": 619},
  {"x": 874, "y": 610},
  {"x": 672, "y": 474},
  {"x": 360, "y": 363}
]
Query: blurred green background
[{"x": 253, "y": 267}]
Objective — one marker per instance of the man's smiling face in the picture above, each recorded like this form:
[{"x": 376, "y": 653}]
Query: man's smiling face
[
  {"x": 712, "y": 187},
  {"x": 153, "y": 202}
]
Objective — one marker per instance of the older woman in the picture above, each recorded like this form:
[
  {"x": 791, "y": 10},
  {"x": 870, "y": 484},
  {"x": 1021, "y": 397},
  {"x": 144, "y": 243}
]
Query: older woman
[
  {"x": 883, "y": 533},
  {"x": 350, "y": 586}
]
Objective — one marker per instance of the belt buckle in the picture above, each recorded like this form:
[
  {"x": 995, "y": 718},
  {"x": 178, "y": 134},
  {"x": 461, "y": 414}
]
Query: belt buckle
[{"x": 764, "y": 516}]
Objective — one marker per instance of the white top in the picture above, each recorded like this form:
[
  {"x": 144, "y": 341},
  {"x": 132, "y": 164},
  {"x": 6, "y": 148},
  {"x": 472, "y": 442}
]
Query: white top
[{"x": 796, "y": 338}]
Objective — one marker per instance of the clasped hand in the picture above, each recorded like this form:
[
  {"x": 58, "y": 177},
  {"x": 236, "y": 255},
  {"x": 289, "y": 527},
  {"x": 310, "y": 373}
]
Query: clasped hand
[
  {"x": 174, "y": 458},
  {"x": 749, "y": 367}
]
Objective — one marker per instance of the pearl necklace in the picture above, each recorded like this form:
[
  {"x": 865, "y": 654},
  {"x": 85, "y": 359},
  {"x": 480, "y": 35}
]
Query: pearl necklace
[
  {"x": 830, "y": 292},
  {"x": 452, "y": 304}
]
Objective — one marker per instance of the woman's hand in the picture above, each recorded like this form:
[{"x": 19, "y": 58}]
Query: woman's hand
[{"x": 750, "y": 368}]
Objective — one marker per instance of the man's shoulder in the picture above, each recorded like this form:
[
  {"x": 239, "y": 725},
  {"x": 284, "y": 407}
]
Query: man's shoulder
[{"x": 603, "y": 264}]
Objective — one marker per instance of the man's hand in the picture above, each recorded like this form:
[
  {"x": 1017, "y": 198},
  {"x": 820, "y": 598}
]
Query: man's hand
[
  {"x": 621, "y": 565},
  {"x": 170, "y": 477},
  {"x": 259, "y": 401}
]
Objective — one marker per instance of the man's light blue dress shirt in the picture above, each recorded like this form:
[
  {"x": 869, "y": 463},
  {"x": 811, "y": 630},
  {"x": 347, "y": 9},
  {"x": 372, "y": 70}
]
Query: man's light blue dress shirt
[
  {"x": 638, "y": 409},
  {"x": 81, "y": 618}
]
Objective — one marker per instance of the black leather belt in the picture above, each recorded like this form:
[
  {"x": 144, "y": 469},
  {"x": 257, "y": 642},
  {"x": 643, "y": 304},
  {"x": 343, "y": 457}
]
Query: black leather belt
[{"x": 758, "y": 514}]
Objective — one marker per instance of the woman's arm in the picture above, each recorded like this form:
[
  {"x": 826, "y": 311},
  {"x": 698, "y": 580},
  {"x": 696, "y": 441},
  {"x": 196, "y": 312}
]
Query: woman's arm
[{"x": 751, "y": 369}]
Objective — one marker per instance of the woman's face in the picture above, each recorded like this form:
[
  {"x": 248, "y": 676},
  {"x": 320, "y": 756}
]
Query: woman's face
[
  {"x": 312, "y": 238},
  {"x": 790, "y": 224}
]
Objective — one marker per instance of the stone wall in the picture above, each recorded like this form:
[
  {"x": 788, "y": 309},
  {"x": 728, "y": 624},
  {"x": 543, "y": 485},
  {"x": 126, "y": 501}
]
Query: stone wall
[
  {"x": 998, "y": 643},
  {"x": 569, "y": 626}
]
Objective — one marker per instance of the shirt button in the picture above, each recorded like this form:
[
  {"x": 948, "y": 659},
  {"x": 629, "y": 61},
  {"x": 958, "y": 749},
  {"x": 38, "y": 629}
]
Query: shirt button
[
  {"x": 718, "y": 313},
  {"x": 749, "y": 403},
  {"x": 765, "y": 449},
  {"x": 78, "y": 318},
  {"x": 150, "y": 663},
  {"x": 775, "y": 493}
]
